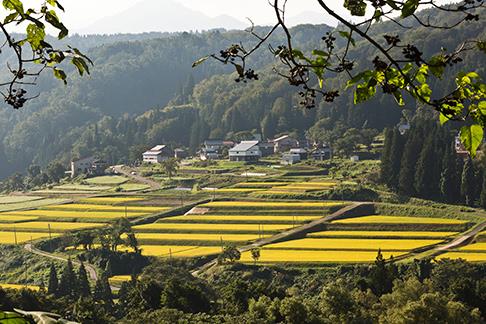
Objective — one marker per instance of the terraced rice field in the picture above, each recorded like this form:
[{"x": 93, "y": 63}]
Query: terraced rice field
[
  {"x": 309, "y": 256},
  {"x": 178, "y": 251},
  {"x": 19, "y": 287},
  {"x": 353, "y": 244},
  {"x": 468, "y": 256},
  {"x": 22, "y": 237},
  {"x": 17, "y": 199},
  {"x": 107, "y": 180},
  {"x": 46, "y": 226},
  {"x": 94, "y": 207},
  {"x": 111, "y": 200},
  {"x": 177, "y": 237},
  {"x": 30, "y": 204},
  {"x": 241, "y": 218},
  {"x": 382, "y": 234},
  {"x": 474, "y": 247},
  {"x": 205, "y": 228},
  {"x": 265, "y": 204},
  {"x": 133, "y": 187},
  {"x": 260, "y": 184},
  {"x": 118, "y": 280},
  {"x": 234, "y": 190},
  {"x": 66, "y": 214},
  {"x": 16, "y": 219},
  {"x": 80, "y": 187},
  {"x": 380, "y": 219}
]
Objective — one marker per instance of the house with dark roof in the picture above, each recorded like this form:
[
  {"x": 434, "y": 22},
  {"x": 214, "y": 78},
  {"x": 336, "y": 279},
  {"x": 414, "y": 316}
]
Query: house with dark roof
[
  {"x": 245, "y": 151},
  {"x": 285, "y": 143}
]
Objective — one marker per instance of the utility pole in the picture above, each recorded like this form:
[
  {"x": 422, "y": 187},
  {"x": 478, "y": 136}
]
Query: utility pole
[{"x": 15, "y": 235}]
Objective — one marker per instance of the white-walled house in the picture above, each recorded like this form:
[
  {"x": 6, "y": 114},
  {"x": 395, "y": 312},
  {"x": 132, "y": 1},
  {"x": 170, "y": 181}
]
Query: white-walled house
[
  {"x": 245, "y": 151},
  {"x": 157, "y": 154}
]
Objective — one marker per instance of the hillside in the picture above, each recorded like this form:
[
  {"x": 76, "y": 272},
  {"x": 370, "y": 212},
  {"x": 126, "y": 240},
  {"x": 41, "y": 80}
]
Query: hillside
[{"x": 119, "y": 109}]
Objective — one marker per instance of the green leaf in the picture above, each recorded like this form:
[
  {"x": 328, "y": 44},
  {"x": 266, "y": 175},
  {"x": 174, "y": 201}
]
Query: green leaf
[
  {"x": 35, "y": 36},
  {"x": 14, "y": 5},
  {"x": 298, "y": 54},
  {"x": 409, "y": 8},
  {"x": 399, "y": 98},
  {"x": 482, "y": 46},
  {"x": 52, "y": 19},
  {"x": 319, "y": 53},
  {"x": 363, "y": 92},
  {"x": 437, "y": 65},
  {"x": 443, "y": 119},
  {"x": 10, "y": 18},
  {"x": 472, "y": 137},
  {"x": 60, "y": 74},
  {"x": 80, "y": 65},
  {"x": 424, "y": 92},
  {"x": 355, "y": 7},
  {"x": 392, "y": 4},
  {"x": 200, "y": 61}
]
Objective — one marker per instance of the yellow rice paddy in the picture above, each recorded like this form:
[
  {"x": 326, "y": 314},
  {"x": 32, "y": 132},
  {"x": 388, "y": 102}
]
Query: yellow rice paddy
[
  {"x": 54, "y": 226},
  {"x": 178, "y": 251},
  {"x": 210, "y": 227},
  {"x": 474, "y": 247},
  {"x": 119, "y": 279},
  {"x": 110, "y": 200},
  {"x": 230, "y": 190},
  {"x": 253, "y": 218},
  {"x": 197, "y": 237},
  {"x": 22, "y": 237},
  {"x": 404, "y": 234},
  {"x": 471, "y": 257},
  {"x": 19, "y": 287},
  {"x": 264, "y": 204},
  {"x": 5, "y": 218},
  {"x": 380, "y": 219},
  {"x": 306, "y": 256},
  {"x": 94, "y": 207},
  {"x": 354, "y": 244},
  {"x": 77, "y": 214},
  {"x": 17, "y": 199}
]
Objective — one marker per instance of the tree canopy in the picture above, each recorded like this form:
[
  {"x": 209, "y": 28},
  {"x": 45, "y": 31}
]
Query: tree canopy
[{"x": 398, "y": 68}]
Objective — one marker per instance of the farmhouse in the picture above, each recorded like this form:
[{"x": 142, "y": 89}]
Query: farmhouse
[
  {"x": 300, "y": 152},
  {"x": 245, "y": 151},
  {"x": 322, "y": 154},
  {"x": 284, "y": 143},
  {"x": 157, "y": 154},
  {"x": 180, "y": 153},
  {"x": 267, "y": 148},
  {"x": 89, "y": 165}
]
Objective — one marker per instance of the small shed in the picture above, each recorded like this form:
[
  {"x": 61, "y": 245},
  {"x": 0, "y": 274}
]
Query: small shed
[{"x": 290, "y": 158}]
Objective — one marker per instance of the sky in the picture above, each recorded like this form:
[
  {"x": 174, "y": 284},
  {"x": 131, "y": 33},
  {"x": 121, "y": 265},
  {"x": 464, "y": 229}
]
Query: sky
[{"x": 81, "y": 14}]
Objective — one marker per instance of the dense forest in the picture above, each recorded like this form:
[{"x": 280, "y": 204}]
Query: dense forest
[
  {"x": 143, "y": 91},
  {"x": 425, "y": 291}
]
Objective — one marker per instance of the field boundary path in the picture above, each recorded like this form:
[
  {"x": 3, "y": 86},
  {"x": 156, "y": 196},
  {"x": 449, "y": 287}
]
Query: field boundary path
[
  {"x": 296, "y": 232},
  {"x": 463, "y": 239},
  {"x": 93, "y": 275},
  {"x": 128, "y": 172}
]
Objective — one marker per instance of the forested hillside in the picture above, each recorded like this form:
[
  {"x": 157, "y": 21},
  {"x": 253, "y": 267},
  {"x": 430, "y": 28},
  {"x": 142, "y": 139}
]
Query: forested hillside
[{"x": 143, "y": 91}]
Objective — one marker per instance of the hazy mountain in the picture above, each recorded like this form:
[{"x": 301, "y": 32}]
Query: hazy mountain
[
  {"x": 311, "y": 17},
  {"x": 160, "y": 16}
]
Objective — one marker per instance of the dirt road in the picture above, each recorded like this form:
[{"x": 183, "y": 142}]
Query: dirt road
[{"x": 132, "y": 173}]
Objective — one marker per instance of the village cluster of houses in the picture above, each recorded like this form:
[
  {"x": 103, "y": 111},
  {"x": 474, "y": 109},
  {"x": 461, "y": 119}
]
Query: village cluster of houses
[{"x": 292, "y": 150}]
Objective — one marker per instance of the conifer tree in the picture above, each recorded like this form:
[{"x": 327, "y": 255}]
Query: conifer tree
[
  {"x": 483, "y": 192},
  {"x": 83, "y": 283},
  {"x": 467, "y": 182},
  {"x": 102, "y": 291},
  {"x": 449, "y": 179},
  {"x": 68, "y": 281},
  {"x": 385, "y": 156},
  {"x": 410, "y": 156},
  {"x": 424, "y": 179},
  {"x": 53, "y": 284},
  {"x": 395, "y": 158}
]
